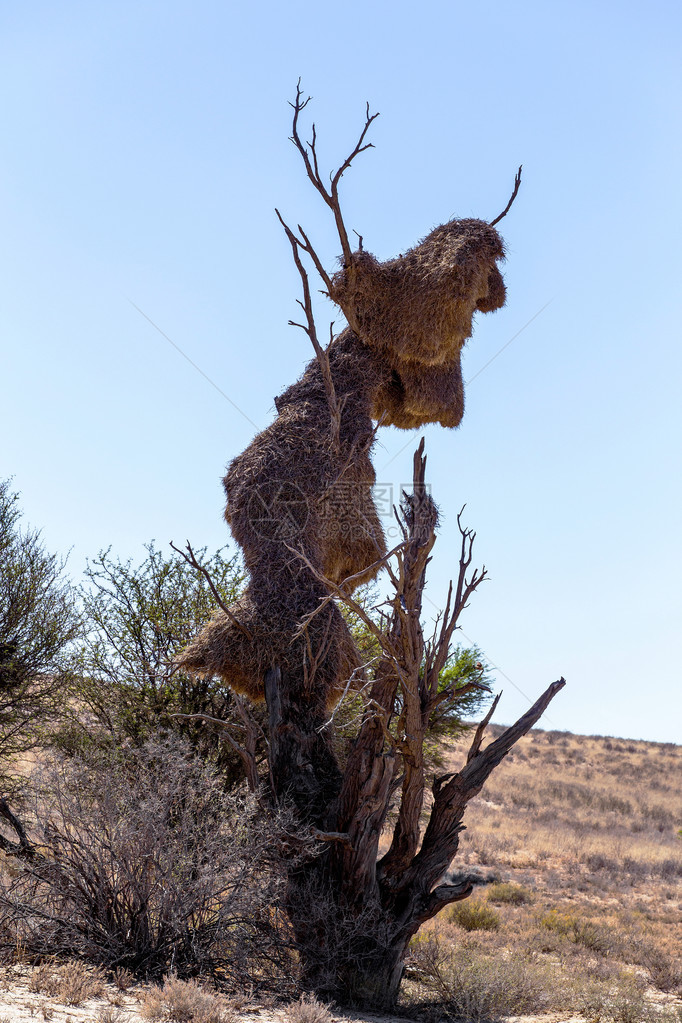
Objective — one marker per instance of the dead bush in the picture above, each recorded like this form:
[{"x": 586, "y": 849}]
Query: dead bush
[
  {"x": 147, "y": 864},
  {"x": 481, "y": 988},
  {"x": 122, "y": 979},
  {"x": 183, "y": 1001},
  {"x": 307, "y": 1010},
  {"x": 665, "y": 972},
  {"x": 111, "y": 1014},
  {"x": 622, "y": 1001},
  {"x": 71, "y": 983}
]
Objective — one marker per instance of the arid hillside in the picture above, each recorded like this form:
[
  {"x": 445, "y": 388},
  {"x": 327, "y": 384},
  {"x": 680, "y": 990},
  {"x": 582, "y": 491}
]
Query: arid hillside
[
  {"x": 583, "y": 837},
  {"x": 579, "y": 841},
  {"x": 586, "y": 816}
]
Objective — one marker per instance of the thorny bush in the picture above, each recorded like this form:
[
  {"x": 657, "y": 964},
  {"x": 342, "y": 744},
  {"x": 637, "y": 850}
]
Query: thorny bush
[{"x": 143, "y": 862}]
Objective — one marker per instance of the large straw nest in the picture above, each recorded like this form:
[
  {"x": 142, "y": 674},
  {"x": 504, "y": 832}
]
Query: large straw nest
[
  {"x": 301, "y": 512},
  {"x": 302, "y": 508},
  {"x": 419, "y": 307}
]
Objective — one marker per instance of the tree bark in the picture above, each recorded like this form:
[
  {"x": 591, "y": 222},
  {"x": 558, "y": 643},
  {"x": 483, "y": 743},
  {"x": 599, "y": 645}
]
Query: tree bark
[
  {"x": 303, "y": 767},
  {"x": 352, "y": 914}
]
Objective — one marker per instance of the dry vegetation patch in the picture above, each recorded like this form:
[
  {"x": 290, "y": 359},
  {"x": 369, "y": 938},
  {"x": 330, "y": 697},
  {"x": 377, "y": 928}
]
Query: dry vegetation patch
[
  {"x": 184, "y": 1001},
  {"x": 307, "y": 1010},
  {"x": 583, "y": 919},
  {"x": 71, "y": 983},
  {"x": 582, "y": 834}
]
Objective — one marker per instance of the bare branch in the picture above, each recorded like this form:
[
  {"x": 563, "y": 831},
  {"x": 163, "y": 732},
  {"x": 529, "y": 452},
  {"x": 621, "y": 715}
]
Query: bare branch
[
  {"x": 220, "y": 722},
  {"x": 505, "y": 211},
  {"x": 337, "y": 590},
  {"x": 247, "y": 752},
  {"x": 480, "y": 730},
  {"x": 452, "y": 793},
  {"x": 444, "y": 895},
  {"x": 486, "y": 760},
  {"x": 355, "y": 674},
  {"x": 23, "y": 848},
  {"x": 191, "y": 559},
  {"x": 331, "y": 836},
  {"x": 420, "y": 520},
  {"x": 308, "y": 247},
  {"x": 311, "y": 330},
  {"x": 308, "y": 153},
  {"x": 311, "y": 168}
]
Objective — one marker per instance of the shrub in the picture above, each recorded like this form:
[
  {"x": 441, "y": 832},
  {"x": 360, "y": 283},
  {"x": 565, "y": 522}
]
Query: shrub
[
  {"x": 579, "y": 931},
  {"x": 183, "y": 1002},
  {"x": 670, "y": 868},
  {"x": 664, "y": 971},
  {"x": 38, "y": 622},
  {"x": 622, "y": 1001},
  {"x": 474, "y": 916},
  {"x": 146, "y": 863},
  {"x": 138, "y": 619},
  {"x": 122, "y": 979},
  {"x": 71, "y": 983},
  {"x": 510, "y": 894},
  {"x": 307, "y": 1010},
  {"x": 111, "y": 1014},
  {"x": 480, "y": 988}
]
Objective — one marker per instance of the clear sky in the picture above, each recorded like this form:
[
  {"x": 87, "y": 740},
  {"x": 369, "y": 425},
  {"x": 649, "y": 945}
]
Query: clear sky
[{"x": 144, "y": 146}]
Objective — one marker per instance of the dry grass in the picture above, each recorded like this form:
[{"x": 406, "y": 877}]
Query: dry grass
[
  {"x": 70, "y": 983},
  {"x": 307, "y": 1010},
  {"x": 582, "y": 834},
  {"x": 111, "y": 1014},
  {"x": 184, "y": 1001}
]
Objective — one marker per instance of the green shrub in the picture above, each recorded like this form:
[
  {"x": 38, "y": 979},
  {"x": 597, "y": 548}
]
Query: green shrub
[
  {"x": 579, "y": 931},
  {"x": 474, "y": 916},
  {"x": 510, "y": 894}
]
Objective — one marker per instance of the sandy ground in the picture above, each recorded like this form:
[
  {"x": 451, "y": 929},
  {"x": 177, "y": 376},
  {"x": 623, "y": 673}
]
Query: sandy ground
[{"x": 18, "y": 1004}]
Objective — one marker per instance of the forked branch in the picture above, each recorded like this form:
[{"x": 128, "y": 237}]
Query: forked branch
[
  {"x": 310, "y": 329},
  {"x": 22, "y": 849},
  {"x": 308, "y": 151},
  {"x": 191, "y": 559},
  {"x": 452, "y": 793}
]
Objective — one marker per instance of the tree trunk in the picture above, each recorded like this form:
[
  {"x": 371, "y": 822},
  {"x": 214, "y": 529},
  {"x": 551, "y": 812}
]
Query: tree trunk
[
  {"x": 373, "y": 982},
  {"x": 352, "y": 919},
  {"x": 353, "y": 914},
  {"x": 350, "y": 954},
  {"x": 302, "y": 764}
]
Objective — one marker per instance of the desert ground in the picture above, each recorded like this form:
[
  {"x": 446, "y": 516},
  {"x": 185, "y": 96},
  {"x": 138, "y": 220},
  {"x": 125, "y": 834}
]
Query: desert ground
[{"x": 578, "y": 844}]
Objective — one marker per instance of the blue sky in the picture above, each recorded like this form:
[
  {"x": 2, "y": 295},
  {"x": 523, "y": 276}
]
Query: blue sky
[{"x": 144, "y": 148}]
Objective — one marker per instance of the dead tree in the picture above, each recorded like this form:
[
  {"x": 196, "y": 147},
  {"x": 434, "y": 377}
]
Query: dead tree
[
  {"x": 353, "y": 913},
  {"x": 306, "y": 479},
  {"x": 397, "y": 362}
]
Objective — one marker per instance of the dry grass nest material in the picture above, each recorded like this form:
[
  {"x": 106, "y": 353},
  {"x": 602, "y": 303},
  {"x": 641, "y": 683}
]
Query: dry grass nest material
[{"x": 299, "y": 499}]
